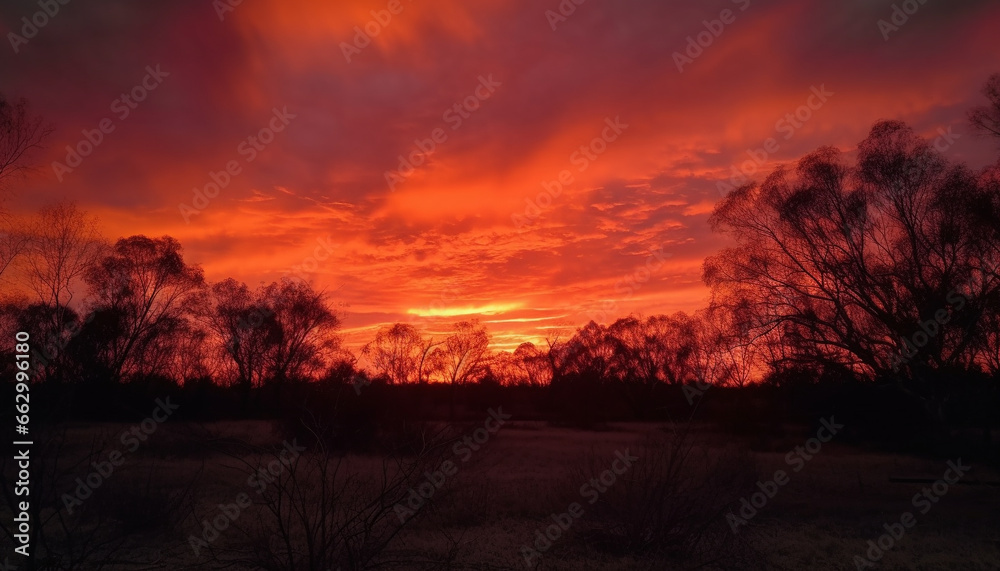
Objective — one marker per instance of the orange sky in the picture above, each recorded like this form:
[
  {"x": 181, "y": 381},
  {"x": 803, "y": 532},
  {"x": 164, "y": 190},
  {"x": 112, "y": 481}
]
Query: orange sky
[{"x": 442, "y": 246}]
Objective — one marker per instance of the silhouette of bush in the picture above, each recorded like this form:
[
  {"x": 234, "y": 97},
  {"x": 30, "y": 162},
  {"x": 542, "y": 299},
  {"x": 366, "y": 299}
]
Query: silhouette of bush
[{"x": 672, "y": 502}]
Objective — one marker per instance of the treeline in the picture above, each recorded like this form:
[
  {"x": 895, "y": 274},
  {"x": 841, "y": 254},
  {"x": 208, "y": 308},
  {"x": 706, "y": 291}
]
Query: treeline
[
  {"x": 148, "y": 314},
  {"x": 136, "y": 310},
  {"x": 879, "y": 268}
]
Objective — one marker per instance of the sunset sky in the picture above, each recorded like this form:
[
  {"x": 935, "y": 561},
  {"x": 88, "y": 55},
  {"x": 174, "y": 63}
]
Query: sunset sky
[{"x": 442, "y": 246}]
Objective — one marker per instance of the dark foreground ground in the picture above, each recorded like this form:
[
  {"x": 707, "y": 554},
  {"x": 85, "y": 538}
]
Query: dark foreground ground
[{"x": 666, "y": 509}]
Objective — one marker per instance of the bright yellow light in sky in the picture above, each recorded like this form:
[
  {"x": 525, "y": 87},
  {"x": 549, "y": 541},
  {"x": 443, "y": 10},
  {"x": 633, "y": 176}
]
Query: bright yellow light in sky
[{"x": 491, "y": 309}]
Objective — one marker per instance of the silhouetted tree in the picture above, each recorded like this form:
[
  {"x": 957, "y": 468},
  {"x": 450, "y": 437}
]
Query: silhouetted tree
[
  {"x": 887, "y": 267},
  {"x": 426, "y": 364},
  {"x": 590, "y": 353},
  {"x": 396, "y": 353},
  {"x": 145, "y": 288},
  {"x": 307, "y": 327},
  {"x": 633, "y": 355},
  {"x": 525, "y": 366},
  {"x": 246, "y": 330},
  {"x": 532, "y": 365},
  {"x": 64, "y": 243},
  {"x": 986, "y": 118},
  {"x": 20, "y": 133},
  {"x": 730, "y": 344},
  {"x": 462, "y": 357},
  {"x": 51, "y": 328}
]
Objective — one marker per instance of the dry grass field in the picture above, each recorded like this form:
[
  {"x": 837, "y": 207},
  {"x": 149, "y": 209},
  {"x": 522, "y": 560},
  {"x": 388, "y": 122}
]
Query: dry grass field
[{"x": 486, "y": 510}]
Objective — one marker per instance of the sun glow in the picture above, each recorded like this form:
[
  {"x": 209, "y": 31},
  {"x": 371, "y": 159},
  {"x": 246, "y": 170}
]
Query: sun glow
[{"x": 492, "y": 309}]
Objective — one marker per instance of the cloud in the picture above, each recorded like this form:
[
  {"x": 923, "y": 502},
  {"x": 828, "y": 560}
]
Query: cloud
[{"x": 446, "y": 235}]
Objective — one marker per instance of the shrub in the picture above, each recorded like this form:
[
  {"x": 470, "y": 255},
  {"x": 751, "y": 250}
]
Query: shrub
[{"x": 672, "y": 501}]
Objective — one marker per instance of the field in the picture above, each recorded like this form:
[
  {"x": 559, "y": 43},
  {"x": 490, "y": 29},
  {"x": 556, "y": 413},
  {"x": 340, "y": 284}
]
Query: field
[{"x": 486, "y": 507}]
